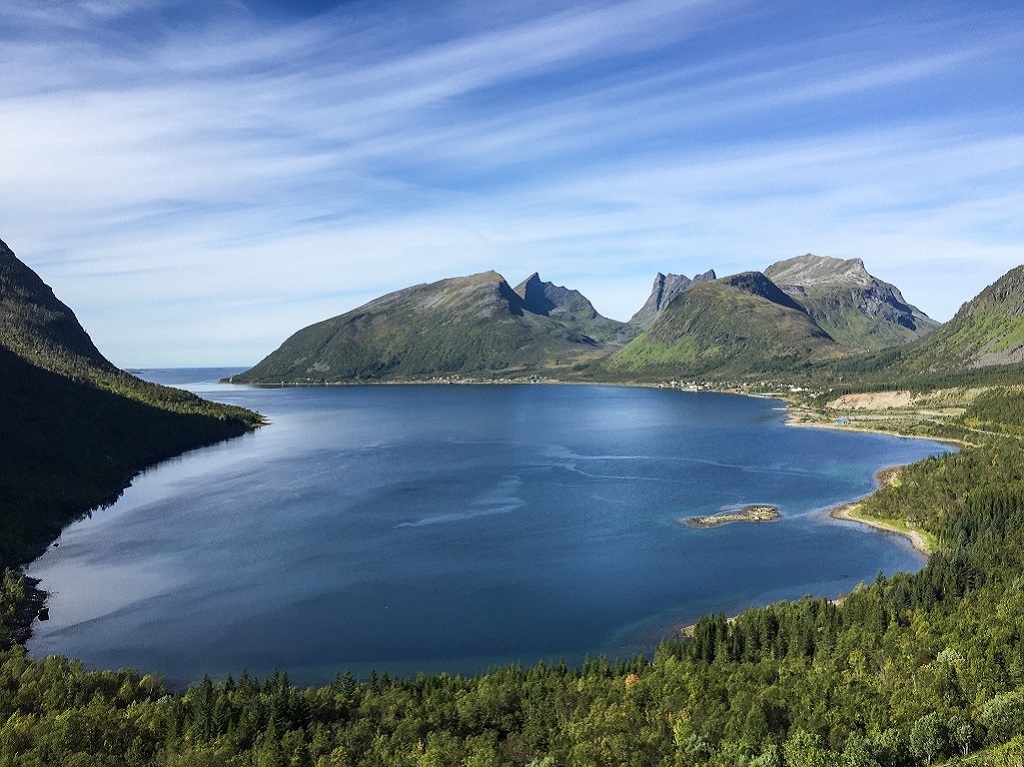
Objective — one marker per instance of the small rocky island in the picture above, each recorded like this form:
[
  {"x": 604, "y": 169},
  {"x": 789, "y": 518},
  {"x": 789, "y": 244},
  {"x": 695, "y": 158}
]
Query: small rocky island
[{"x": 755, "y": 512}]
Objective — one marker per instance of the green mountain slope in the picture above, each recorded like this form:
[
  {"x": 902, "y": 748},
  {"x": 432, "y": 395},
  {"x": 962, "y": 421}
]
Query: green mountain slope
[
  {"x": 465, "y": 326},
  {"x": 75, "y": 428},
  {"x": 733, "y": 326},
  {"x": 858, "y": 310},
  {"x": 986, "y": 334}
]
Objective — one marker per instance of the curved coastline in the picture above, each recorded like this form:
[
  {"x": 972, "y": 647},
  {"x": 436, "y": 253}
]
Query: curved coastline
[{"x": 847, "y": 512}]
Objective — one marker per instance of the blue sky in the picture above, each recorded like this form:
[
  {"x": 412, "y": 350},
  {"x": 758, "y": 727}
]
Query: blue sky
[{"x": 199, "y": 180}]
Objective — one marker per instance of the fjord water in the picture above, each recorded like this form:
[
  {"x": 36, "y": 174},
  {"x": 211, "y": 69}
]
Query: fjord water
[{"x": 452, "y": 528}]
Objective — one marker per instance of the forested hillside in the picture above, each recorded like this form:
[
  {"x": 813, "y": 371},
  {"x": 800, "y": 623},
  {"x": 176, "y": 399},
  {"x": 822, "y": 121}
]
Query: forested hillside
[{"x": 75, "y": 428}]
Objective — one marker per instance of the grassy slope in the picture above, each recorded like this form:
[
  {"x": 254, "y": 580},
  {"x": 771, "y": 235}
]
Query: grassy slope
[
  {"x": 472, "y": 326},
  {"x": 989, "y": 330},
  {"x": 730, "y": 327}
]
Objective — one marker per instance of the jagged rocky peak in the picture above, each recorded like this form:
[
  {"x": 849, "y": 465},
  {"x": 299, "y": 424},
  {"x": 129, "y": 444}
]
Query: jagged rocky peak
[
  {"x": 665, "y": 288},
  {"x": 546, "y": 299},
  {"x": 810, "y": 269}
]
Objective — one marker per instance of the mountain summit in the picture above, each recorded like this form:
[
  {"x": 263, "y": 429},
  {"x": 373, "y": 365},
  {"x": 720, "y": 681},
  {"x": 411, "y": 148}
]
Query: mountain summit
[
  {"x": 546, "y": 298},
  {"x": 857, "y": 309},
  {"x": 666, "y": 287}
]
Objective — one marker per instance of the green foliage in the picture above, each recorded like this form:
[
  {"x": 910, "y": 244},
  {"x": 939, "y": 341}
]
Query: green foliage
[
  {"x": 737, "y": 326},
  {"x": 13, "y": 593}
]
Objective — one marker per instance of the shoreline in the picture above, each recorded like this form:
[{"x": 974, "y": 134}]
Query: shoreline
[
  {"x": 847, "y": 512},
  {"x": 28, "y": 612}
]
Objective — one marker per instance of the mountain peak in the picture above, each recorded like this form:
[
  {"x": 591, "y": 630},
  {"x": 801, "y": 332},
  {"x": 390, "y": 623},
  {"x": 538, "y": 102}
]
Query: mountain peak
[
  {"x": 666, "y": 287},
  {"x": 758, "y": 284},
  {"x": 856, "y": 308},
  {"x": 810, "y": 269},
  {"x": 546, "y": 299},
  {"x": 476, "y": 326}
]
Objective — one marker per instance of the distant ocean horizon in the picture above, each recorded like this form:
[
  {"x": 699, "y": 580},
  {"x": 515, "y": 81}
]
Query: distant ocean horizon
[{"x": 456, "y": 528}]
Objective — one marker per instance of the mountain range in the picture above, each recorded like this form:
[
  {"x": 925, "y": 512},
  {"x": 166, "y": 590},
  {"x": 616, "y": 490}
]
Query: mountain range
[
  {"x": 798, "y": 313},
  {"x": 76, "y": 428}
]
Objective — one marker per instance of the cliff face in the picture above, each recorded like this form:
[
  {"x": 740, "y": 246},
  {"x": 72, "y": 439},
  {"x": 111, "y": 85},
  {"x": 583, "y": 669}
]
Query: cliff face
[{"x": 666, "y": 287}]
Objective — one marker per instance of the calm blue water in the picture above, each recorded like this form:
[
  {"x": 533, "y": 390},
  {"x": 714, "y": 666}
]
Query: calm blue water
[{"x": 430, "y": 528}]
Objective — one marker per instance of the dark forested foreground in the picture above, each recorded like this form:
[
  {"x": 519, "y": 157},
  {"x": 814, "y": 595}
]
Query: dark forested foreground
[{"x": 910, "y": 670}]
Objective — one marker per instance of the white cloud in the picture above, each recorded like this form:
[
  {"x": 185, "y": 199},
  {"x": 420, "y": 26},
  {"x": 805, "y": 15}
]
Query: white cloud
[{"x": 285, "y": 172}]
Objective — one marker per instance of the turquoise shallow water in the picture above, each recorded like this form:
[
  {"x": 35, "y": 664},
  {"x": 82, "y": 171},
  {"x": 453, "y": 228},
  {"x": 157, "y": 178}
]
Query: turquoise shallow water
[{"x": 452, "y": 528}]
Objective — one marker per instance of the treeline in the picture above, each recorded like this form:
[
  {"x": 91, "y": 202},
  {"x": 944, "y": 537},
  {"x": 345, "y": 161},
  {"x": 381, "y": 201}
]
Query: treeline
[{"x": 908, "y": 670}]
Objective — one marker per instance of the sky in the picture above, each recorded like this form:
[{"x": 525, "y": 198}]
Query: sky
[{"x": 199, "y": 180}]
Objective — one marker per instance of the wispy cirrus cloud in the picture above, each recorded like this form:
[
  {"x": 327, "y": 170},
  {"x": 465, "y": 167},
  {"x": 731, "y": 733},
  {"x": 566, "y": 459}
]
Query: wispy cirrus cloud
[{"x": 182, "y": 171}]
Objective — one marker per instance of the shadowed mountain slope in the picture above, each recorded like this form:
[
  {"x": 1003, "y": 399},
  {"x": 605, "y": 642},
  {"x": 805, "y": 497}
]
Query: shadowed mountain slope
[{"x": 75, "y": 428}]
